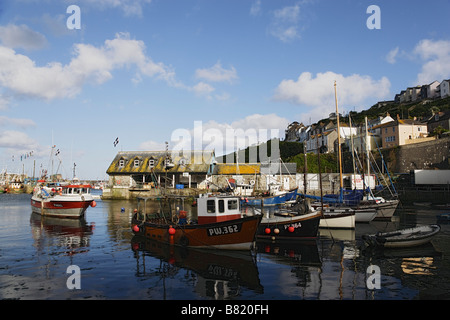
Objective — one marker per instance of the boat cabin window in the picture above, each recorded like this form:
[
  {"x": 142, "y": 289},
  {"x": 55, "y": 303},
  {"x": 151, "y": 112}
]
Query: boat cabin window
[
  {"x": 211, "y": 206},
  {"x": 232, "y": 204},
  {"x": 221, "y": 206}
]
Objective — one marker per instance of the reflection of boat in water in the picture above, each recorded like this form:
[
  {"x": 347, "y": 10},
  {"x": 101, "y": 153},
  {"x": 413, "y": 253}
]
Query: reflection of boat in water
[
  {"x": 305, "y": 253},
  {"x": 221, "y": 273},
  {"x": 71, "y": 234}
]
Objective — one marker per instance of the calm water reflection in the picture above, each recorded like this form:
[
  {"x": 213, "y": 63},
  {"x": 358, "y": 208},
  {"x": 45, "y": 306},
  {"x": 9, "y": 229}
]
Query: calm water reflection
[{"x": 35, "y": 253}]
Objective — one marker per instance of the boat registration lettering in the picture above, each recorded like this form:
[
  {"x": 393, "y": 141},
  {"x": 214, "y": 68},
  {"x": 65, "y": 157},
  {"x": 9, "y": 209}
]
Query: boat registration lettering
[
  {"x": 233, "y": 228},
  {"x": 294, "y": 225}
]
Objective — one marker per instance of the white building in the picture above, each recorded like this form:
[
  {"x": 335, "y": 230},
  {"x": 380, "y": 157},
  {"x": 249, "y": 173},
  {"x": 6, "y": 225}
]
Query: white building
[{"x": 445, "y": 88}]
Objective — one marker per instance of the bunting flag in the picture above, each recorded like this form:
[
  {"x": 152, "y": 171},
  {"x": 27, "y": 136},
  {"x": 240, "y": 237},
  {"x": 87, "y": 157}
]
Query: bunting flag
[
  {"x": 116, "y": 142},
  {"x": 57, "y": 152},
  {"x": 24, "y": 156}
]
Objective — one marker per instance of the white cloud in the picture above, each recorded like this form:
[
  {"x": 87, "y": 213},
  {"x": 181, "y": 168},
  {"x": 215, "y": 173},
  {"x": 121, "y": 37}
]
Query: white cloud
[
  {"x": 152, "y": 146},
  {"x": 14, "y": 36},
  {"x": 285, "y": 23},
  {"x": 228, "y": 137},
  {"x": 17, "y": 140},
  {"x": 392, "y": 55},
  {"x": 20, "y": 74},
  {"x": 217, "y": 73},
  {"x": 203, "y": 89},
  {"x": 129, "y": 7},
  {"x": 319, "y": 91},
  {"x": 223, "y": 137},
  {"x": 255, "y": 9},
  {"x": 436, "y": 58},
  {"x": 23, "y": 123}
]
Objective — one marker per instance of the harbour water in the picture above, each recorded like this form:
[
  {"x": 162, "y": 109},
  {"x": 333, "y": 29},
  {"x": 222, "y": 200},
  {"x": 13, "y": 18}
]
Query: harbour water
[{"x": 36, "y": 253}]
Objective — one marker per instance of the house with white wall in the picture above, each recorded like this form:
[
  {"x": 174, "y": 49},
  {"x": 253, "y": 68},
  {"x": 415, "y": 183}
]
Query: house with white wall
[{"x": 445, "y": 88}]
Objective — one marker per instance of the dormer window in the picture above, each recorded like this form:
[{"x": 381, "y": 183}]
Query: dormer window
[
  {"x": 151, "y": 163},
  {"x": 182, "y": 162},
  {"x": 121, "y": 163},
  {"x": 136, "y": 163}
]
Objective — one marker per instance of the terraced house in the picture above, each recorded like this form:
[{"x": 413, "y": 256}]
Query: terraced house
[{"x": 147, "y": 169}]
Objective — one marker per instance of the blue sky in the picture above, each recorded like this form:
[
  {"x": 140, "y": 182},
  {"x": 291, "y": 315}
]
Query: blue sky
[{"x": 145, "y": 70}]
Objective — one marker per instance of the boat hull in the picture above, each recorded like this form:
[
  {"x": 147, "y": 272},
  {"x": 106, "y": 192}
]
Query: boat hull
[
  {"x": 238, "y": 234},
  {"x": 338, "y": 219},
  {"x": 385, "y": 210},
  {"x": 302, "y": 227},
  {"x": 405, "y": 238},
  {"x": 63, "y": 208},
  {"x": 365, "y": 215}
]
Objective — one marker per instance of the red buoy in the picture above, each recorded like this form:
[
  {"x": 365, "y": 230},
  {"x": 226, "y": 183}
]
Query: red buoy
[
  {"x": 267, "y": 231},
  {"x": 291, "y": 229},
  {"x": 171, "y": 230},
  {"x": 93, "y": 204},
  {"x": 135, "y": 228}
]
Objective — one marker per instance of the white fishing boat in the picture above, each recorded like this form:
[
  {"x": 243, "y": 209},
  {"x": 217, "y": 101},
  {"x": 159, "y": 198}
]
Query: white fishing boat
[{"x": 69, "y": 201}]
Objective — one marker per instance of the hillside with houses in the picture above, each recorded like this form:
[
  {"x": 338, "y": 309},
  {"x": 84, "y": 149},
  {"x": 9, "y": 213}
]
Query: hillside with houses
[{"x": 416, "y": 115}]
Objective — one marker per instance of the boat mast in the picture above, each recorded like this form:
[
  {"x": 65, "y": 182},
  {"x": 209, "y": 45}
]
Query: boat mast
[
  {"x": 367, "y": 151},
  {"x": 339, "y": 145},
  {"x": 353, "y": 148}
]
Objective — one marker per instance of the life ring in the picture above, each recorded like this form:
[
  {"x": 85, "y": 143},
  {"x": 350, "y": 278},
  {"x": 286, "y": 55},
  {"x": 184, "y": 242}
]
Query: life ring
[{"x": 252, "y": 182}]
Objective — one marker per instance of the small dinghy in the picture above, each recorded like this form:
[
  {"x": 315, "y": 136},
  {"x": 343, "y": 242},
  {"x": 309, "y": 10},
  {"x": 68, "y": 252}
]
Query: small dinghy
[{"x": 403, "y": 238}]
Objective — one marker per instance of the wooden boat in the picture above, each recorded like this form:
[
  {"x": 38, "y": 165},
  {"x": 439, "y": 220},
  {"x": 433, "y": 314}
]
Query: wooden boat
[
  {"x": 403, "y": 238},
  {"x": 220, "y": 224},
  {"x": 297, "y": 222},
  {"x": 69, "y": 201},
  {"x": 289, "y": 226}
]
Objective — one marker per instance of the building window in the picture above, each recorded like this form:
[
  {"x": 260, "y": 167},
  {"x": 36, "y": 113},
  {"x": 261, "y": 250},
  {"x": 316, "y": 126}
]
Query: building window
[
  {"x": 393, "y": 129},
  {"x": 211, "y": 206},
  {"x": 121, "y": 163},
  {"x": 136, "y": 163},
  {"x": 151, "y": 163}
]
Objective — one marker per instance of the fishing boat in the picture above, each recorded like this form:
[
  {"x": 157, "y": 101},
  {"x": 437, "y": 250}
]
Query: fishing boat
[
  {"x": 404, "y": 238},
  {"x": 68, "y": 201},
  {"x": 298, "y": 222},
  {"x": 219, "y": 225}
]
